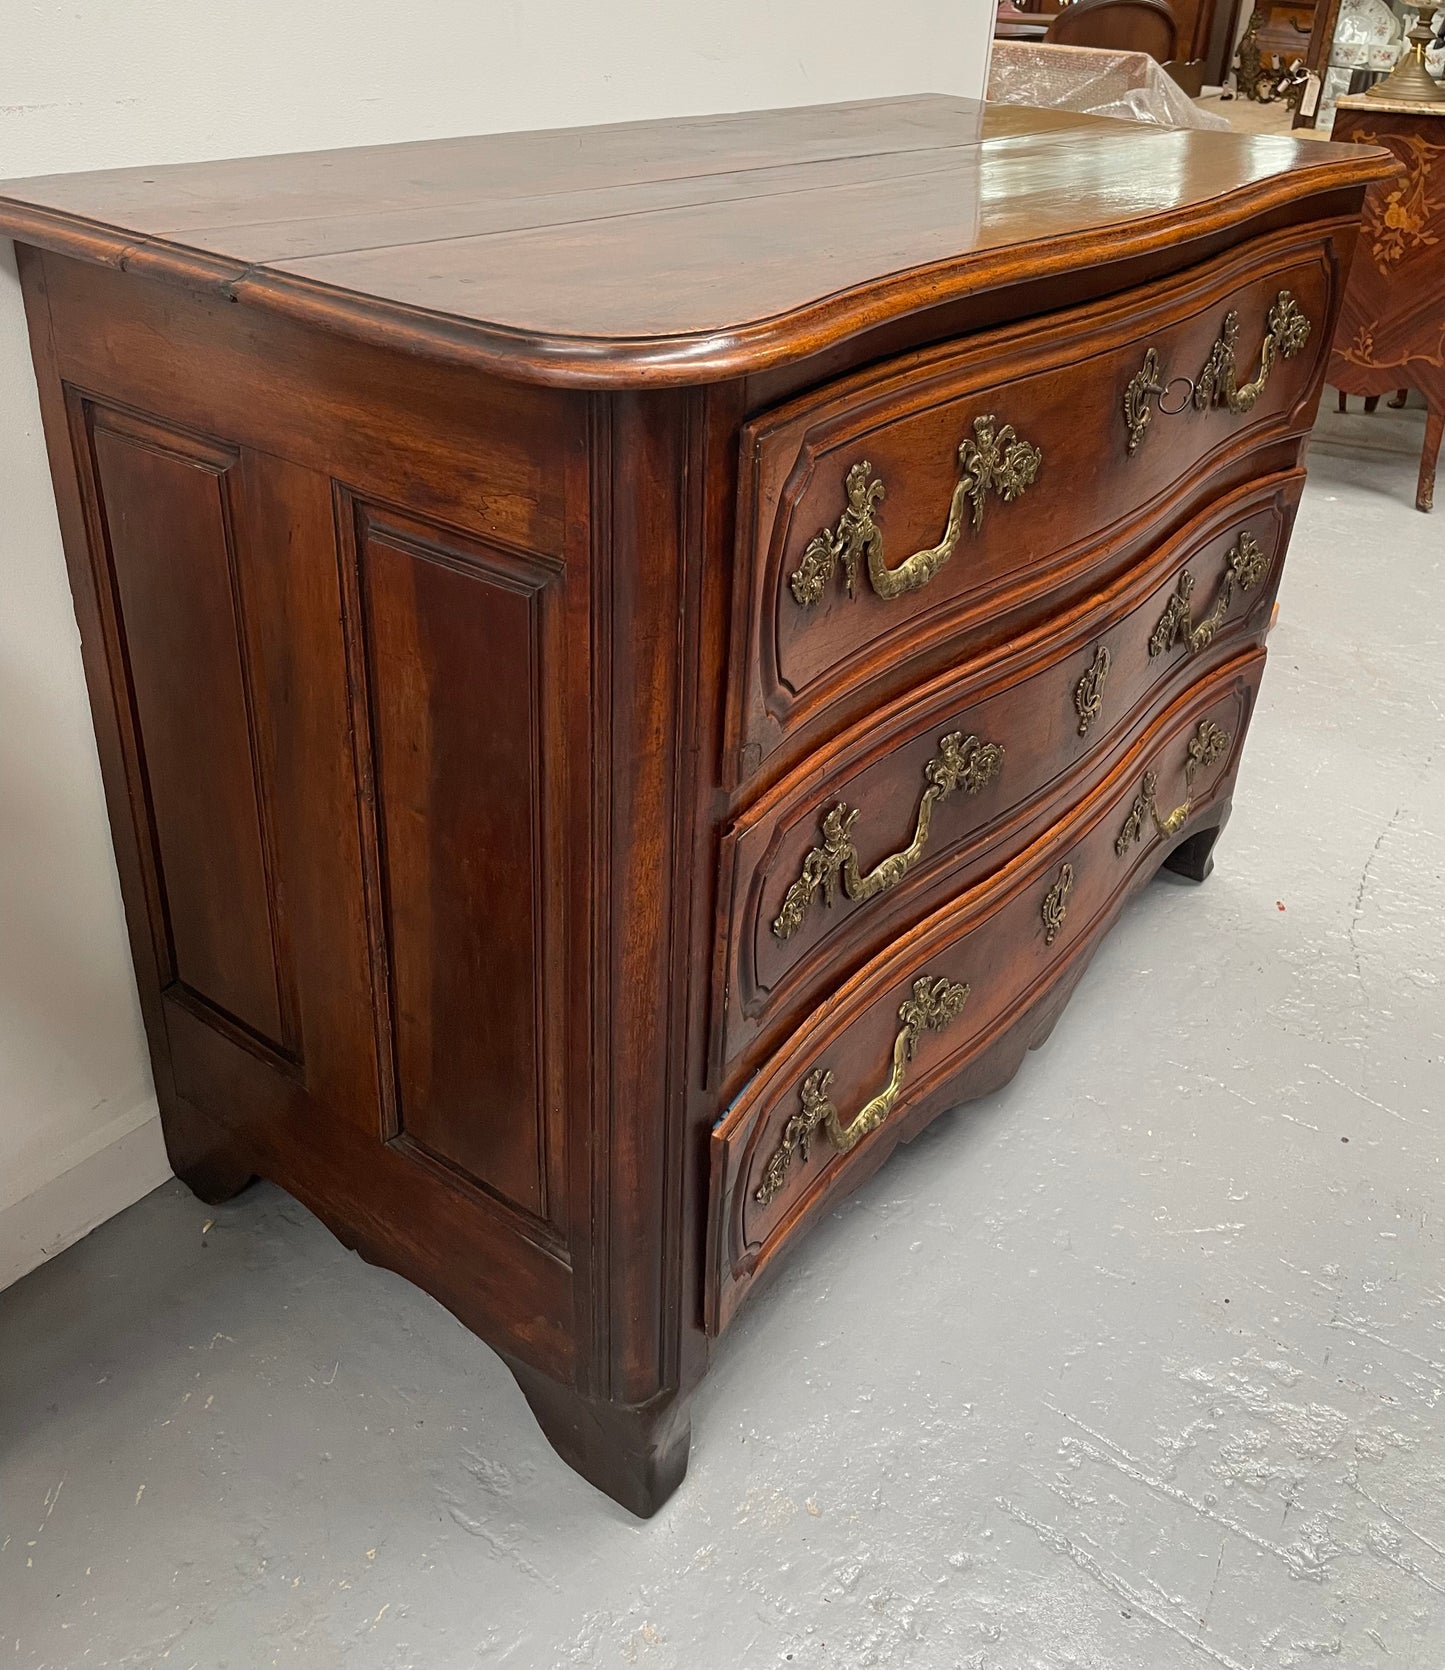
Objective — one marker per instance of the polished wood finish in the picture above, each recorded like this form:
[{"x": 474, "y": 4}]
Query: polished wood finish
[
  {"x": 1194, "y": 25},
  {"x": 430, "y": 512},
  {"x": 1391, "y": 333},
  {"x": 626, "y": 256}
]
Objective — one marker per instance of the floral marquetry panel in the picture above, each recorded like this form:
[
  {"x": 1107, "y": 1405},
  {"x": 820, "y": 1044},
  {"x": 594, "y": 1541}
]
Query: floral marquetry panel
[{"x": 1392, "y": 323}]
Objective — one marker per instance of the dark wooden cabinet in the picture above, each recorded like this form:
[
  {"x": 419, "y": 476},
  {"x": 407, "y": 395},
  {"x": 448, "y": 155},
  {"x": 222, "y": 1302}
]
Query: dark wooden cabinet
[{"x": 633, "y": 670}]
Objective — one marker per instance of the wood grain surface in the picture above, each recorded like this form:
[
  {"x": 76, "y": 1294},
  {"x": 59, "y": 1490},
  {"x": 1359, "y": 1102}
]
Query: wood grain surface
[{"x": 674, "y": 250}]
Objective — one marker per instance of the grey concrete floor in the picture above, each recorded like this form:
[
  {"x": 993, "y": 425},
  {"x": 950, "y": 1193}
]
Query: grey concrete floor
[{"x": 1135, "y": 1366}]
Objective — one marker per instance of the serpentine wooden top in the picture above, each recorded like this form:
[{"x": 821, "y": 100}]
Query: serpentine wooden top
[{"x": 675, "y": 251}]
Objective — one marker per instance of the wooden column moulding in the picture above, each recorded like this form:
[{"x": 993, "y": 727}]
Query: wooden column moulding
[{"x": 435, "y": 517}]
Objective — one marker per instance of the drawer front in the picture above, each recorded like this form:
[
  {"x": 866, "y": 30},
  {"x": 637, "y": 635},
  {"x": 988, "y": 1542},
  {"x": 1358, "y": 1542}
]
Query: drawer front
[
  {"x": 913, "y": 803},
  {"x": 890, "y": 520},
  {"x": 947, "y": 1011}
]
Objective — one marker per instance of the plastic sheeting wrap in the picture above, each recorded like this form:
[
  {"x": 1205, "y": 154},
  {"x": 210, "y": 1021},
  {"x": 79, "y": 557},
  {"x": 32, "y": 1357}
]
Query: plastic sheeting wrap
[{"x": 1128, "y": 85}]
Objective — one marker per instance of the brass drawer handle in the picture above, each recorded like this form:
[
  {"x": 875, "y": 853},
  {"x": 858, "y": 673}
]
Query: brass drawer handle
[
  {"x": 1056, "y": 903},
  {"x": 1286, "y": 330},
  {"x": 1207, "y": 745},
  {"x": 1089, "y": 691},
  {"x": 1245, "y": 567},
  {"x": 961, "y": 762},
  {"x": 988, "y": 462},
  {"x": 935, "y": 1002}
]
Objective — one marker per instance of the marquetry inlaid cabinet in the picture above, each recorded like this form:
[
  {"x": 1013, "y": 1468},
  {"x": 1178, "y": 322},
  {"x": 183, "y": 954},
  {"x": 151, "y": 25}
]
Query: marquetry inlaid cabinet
[
  {"x": 1391, "y": 330},
  {"x": 633, "y": 669}
]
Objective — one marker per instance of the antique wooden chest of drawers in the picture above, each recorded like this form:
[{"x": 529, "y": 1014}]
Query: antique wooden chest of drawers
[{"x": 633, "y": 669}]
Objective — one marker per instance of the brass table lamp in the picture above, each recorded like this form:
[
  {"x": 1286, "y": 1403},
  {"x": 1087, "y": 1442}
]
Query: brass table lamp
[{"x": 1410, "y": 82}]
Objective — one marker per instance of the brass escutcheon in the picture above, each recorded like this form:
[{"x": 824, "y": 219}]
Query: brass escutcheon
[
  {"x": 1089, "y": 691},
  {"x": 1056, "y": 904},
  {"x": 934, "y": 1003},
  {"x": 990, "y": 461},
  {"x": 1139, "y": 396}
]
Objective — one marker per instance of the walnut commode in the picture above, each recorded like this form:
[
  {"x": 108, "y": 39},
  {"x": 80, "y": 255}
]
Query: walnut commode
[{"x": 633, "y": 670}]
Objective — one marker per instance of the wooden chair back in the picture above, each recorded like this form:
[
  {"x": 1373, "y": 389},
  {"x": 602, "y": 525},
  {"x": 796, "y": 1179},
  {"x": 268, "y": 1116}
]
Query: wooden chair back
[{"x": 1120, "y": 25}]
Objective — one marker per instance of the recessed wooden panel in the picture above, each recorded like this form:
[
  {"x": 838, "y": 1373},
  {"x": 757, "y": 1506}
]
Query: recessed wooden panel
[
  {"x": 451, "y": 444},
  {"x": 164, "y": 500},
  {"x": 452, "y": 636}
]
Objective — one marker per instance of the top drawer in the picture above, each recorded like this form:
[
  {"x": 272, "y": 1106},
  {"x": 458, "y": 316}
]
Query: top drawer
[{"x": 893, "y": 520}]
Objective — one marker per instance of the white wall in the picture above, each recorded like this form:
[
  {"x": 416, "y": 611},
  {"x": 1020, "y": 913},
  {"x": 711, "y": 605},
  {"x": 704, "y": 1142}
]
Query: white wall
[{"x": 106, "y": 83}]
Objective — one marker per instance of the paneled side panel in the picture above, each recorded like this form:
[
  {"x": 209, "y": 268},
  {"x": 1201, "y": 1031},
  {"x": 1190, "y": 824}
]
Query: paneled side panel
[
  {"x": 452, "y": 635},
  {"x": 163, "y": 499}
]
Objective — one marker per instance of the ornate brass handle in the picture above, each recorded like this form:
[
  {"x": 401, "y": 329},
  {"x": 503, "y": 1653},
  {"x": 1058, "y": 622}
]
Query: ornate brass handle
[
  {"x": 1207, "y": 745},
  {"x": 1245, "y": 566},
  {"x": 935, "y": 1002},
  {"x": 988, "y": 462},
  {"x": 1286, "y": 331},
  {"x": 961, "y": 762}
]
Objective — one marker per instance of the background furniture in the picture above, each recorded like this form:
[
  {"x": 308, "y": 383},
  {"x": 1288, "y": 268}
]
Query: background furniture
[
  {"x": 1324, "y": 15},
  {"x": 1317, "y": 54},
  {"x": 1205, "y": 31},
  {"x": 1145, "y": 26},
  {"x": 1125, "y": 25},
  {"x": 1354, "y": 44},
  {"x": 1391, "y": 332},
  {"x": 633, "y": 669},
  {"x": 1279, "y": 33},
  {"x": 1011, "y": 25}
]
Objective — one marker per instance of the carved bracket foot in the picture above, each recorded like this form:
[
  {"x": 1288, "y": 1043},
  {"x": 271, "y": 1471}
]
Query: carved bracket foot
[
  {"x": 1193, "y": 858},
  {"x": 204, "y": 1156},
  {"x": 636, "y": 1455}
]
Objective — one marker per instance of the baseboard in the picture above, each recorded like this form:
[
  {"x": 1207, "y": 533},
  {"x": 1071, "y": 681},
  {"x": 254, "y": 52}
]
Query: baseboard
[{"x": 60, "y": 1212}]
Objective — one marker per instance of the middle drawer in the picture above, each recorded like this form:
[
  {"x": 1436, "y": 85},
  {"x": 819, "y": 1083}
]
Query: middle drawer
[{"x": 921, "y": 799}]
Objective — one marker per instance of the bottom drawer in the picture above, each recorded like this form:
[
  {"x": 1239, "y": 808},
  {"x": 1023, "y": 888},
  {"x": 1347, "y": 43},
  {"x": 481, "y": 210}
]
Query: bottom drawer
[{"x": 948, "y": 1011}]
